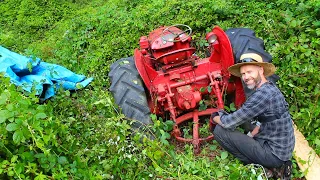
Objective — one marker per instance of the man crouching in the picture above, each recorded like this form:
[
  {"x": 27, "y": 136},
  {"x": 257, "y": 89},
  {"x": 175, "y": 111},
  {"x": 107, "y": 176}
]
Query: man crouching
[{"x": 271, "y": 142}]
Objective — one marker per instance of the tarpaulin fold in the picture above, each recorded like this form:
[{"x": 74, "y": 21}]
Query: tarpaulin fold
[{"x": 29, "y": 72}]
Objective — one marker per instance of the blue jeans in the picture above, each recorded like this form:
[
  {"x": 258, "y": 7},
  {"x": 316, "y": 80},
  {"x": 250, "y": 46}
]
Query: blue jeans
[{"x": 246, "y": 149}]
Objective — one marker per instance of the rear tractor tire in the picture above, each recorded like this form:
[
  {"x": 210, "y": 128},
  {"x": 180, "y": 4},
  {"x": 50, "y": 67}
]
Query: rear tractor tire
[
  {"x": 244, "y": 40},
  {"x": 129, "y": 93}
]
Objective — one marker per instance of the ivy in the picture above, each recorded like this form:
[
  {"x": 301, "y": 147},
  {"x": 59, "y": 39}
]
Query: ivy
[{"x": 82, "y": 134}]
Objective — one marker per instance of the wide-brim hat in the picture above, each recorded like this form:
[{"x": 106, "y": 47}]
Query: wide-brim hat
[{"x": 252, "y": 59}]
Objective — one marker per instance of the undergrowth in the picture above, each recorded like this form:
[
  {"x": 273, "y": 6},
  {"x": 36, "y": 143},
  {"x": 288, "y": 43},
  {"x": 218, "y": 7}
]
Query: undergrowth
[{"x": 82, "y": 135}]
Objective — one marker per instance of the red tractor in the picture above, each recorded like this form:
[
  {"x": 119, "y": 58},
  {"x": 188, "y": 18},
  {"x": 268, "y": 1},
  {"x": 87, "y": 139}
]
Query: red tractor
[{"x": 165, "y": 77}]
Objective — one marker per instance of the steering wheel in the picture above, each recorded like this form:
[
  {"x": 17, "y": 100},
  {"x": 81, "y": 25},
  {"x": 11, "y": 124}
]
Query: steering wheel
[{"x": 173, "y": 34}]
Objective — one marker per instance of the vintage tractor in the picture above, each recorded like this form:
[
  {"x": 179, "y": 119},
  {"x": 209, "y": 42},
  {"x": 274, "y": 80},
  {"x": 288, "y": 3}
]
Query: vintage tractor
[{"x": 166, "y": 77}]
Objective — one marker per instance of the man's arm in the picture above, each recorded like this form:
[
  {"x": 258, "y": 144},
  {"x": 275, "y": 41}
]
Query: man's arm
[{"x": 254, "y": 106}]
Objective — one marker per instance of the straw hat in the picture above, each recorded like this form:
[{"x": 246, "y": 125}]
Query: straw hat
[{"x": 252, "y": 59}]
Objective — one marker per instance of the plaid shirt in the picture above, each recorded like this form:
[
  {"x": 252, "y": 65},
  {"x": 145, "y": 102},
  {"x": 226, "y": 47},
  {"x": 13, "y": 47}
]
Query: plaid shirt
[{"x": 278, "y": 133}]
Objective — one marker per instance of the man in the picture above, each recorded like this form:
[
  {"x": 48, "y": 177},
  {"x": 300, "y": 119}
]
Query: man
[{"x": 271, "y": 142}]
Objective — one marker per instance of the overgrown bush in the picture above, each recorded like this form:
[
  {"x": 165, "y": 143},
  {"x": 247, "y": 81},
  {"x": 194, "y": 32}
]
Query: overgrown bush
[
  {"x": 82, "y": 135},
  {"x": 47, "y": 141}
]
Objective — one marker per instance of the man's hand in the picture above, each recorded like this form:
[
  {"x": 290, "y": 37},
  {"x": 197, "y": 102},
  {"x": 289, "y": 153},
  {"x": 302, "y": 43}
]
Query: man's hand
[
  {"x": 216, "y": 118},
  {"x": 214, "y": 114},
  {"x": 255, "y": 130}
]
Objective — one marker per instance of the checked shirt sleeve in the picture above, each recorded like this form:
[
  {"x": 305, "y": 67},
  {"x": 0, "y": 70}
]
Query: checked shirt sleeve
[{"x": 256, "y": 104}]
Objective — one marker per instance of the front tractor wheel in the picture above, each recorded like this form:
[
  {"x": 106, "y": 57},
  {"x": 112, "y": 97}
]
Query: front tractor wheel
[{"x": 129, "y": 93}]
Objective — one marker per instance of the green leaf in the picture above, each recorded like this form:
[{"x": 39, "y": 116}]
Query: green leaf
[
  {"x": 317, "y": 142},
  {"x": 213, "y": 147},
  {"x": 202, "y": 107},
  {"x": 157, "y": 155},
  {"x": 46, "y": 139},
  {"x": 10, "y": 173},
  {"x": 29, "y": 66},
  {"x": 12, "y": 127},
  {"x": 39, "y": 155},
  {"x": 14, "y": 158},
  {"x": 4, "y": 115},
  {"x": 209, "y": 89},
  {"x": 10, "y": 107},
  {"x": 3, "y": 99},
  {"x": 62, "y": 160},
  {"x": 224, "y": 154},
  {"x": 202, "y": 89},
  {"x": 195, "y": 171},
  {"x": 79, "y": 86},
  {"x": 227, "y": 108},
  {"x": 291, "y": 85},
  {"x": 219, "y": 174},
  {"x": 40, "y": 177},
  {"x": 40, "y": 115},
  {"x": 45, "y": 165},
  {"x": 164, "y": 137},
  {"x": 2, "y": 119},
  {"x": 18, "y": 136},
  {"x": 19, "y": 167},
  {"x": 253, "y": 171},
  {"x": 232, "y": 107},
  {"x": 293, "y": 23},
  {"x": 169, "y": 125},
  {"x": 27, "y": 156},
  {"x": 67, "y": 93},
  {"x": 153, "y": 117}
]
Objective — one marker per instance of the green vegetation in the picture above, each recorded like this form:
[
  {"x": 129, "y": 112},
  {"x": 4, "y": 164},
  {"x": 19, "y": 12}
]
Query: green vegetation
[{"x": 81, "y": 135}]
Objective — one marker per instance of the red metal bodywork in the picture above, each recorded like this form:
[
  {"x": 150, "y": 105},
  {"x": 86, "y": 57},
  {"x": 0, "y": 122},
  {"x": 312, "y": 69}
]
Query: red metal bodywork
[{"x": 177, "y": 79}]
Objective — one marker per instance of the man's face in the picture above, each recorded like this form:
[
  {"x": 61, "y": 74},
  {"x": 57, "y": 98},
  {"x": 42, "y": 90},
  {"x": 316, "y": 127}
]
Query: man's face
[{"x": 250, "y": 74}]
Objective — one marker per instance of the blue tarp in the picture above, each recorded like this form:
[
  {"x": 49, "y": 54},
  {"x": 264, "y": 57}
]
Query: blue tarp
[{"x": 28, "y": 72}]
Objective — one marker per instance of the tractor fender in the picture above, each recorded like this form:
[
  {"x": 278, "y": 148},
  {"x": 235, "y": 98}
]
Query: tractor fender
[
  {"x": 226, "y": 53},
  {"x": 147, "y": 73}
]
